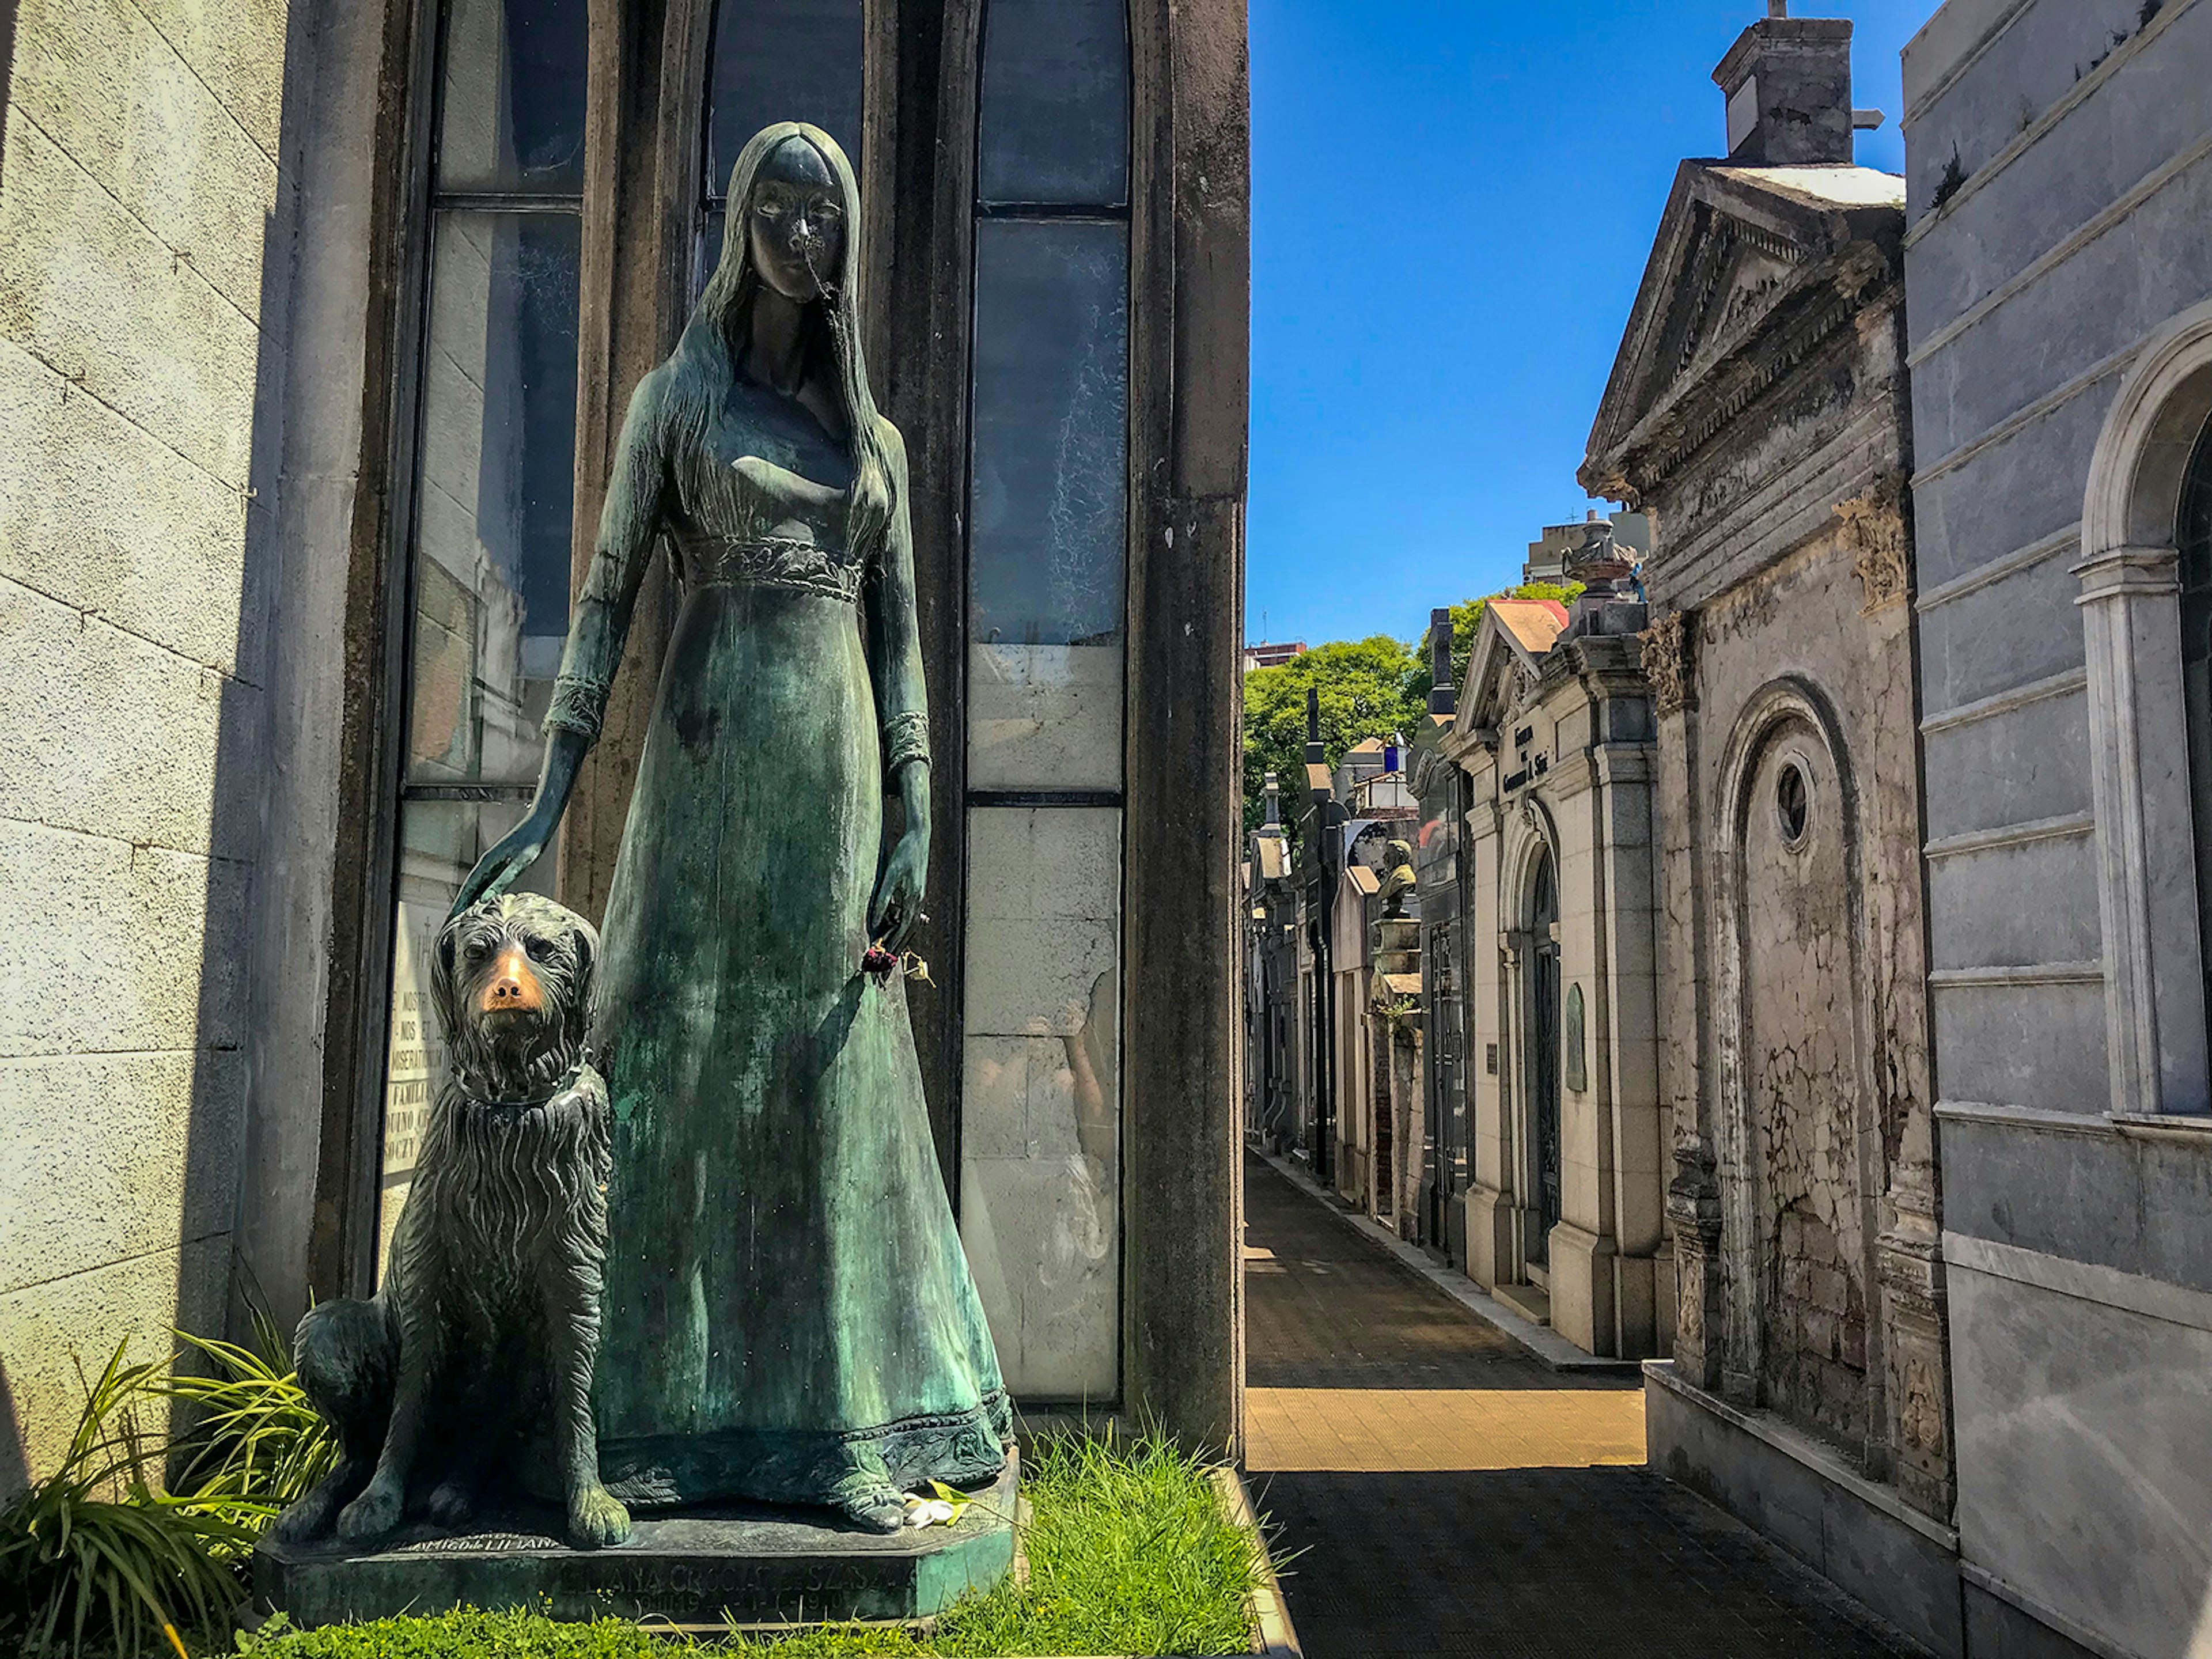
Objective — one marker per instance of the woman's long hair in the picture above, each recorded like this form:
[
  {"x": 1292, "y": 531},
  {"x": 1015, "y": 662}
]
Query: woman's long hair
[{"x": 721, "y": 326}]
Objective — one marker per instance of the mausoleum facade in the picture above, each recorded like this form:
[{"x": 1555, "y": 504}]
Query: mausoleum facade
[{"x": 317, "y": 329}]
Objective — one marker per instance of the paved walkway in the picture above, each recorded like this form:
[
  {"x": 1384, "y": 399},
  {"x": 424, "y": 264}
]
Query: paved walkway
[{"x": 1444, "y": 1492}]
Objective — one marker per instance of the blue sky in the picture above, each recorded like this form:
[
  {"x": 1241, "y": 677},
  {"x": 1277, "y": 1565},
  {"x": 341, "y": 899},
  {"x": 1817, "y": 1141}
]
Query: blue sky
[{"x": 1453, "y": 201}]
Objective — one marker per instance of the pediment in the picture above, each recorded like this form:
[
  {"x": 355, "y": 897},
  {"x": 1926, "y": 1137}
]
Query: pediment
[
  {"x": 1731, "y": 274},
  {"x": 1507, "y": 661},
  {"x": 1741, "y": 254}
]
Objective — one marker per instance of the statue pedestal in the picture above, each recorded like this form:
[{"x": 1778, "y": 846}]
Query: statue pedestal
[{"x": 751, "y": 1564}]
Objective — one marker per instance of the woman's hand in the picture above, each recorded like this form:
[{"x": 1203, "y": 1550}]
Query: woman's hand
[
  {"x": 510, "y": 856},
  {"x": 897, "y": 906},
  {"x": 513, "y": 853}
]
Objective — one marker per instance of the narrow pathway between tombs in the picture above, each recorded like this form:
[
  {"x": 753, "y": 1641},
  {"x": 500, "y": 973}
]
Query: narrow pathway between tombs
[{"x": 1445, "y": 1492}]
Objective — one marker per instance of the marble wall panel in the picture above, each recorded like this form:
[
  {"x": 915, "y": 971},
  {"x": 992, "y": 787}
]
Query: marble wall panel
[
  {"x": 2019, "y": 765},
  {"x": 2040, "y": 1045},
  {"x": 1976, "y": 913},
  {"x": 1044, "y": 716},
  {"x": 2080, "y": 1431},
  {"x": 2031, "y": 610},
  {"x": 1040, "y": 1116}
]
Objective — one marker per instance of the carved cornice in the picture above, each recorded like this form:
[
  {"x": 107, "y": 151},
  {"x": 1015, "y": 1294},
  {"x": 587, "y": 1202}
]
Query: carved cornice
[{"x": 1670, "y": 662}]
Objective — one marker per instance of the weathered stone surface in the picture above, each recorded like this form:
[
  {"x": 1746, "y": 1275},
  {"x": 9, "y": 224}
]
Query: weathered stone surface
[
  {"x": 1044, "y": 716},
  {"x": 112, "y": 736},
  {"x": 746, "y": 1564},
  {"x": 154, "y": 954},
  {"x": 140, "y": 203},
  {"x": 91, "y": 291},
  {"x": 1042, "y": 906},
  {"x": 102, "y": 517},
  {"x": 108, "y": 1157},
  {"x": 171, "y": 154},
  {"x": 239, "y": 49},
  {"x": 2139, "y": 1579},
  {"x": 52, "y": 1327}
]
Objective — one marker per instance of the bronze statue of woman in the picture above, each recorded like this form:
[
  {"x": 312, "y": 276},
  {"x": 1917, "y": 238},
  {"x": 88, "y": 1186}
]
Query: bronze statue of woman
[{"x": 788, "y": 1313}]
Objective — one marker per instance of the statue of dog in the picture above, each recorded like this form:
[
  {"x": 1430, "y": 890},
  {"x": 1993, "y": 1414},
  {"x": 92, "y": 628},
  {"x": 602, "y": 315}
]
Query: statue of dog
[{"x": 473, "y": 1361}]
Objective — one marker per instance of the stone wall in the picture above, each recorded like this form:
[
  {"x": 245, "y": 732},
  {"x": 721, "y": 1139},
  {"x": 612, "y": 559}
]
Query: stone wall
[
  {"x": 2060, "y": 300},
  {"x": 141, "y": 331}
]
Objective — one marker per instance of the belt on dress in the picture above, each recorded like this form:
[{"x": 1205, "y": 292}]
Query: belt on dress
[{"x": 772, "y": 562}]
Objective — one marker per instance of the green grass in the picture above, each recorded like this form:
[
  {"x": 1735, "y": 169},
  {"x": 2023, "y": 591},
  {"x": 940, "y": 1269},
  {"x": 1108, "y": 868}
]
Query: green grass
[{"x": 1129, "y": 1553}]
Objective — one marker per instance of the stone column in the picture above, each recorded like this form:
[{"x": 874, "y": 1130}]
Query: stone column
[
  {"x": 2138, "y": 758},
  {"x": 1693, "y": 1207},
  {"x": 1694, "y": 1212}
]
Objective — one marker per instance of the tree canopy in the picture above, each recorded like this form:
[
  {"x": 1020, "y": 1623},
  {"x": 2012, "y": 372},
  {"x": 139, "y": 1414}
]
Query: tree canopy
[
  {"x": 1467, "y": 620},
  {"x": 1368, "y": 687},
  {"x": 1364, "y": 693}
]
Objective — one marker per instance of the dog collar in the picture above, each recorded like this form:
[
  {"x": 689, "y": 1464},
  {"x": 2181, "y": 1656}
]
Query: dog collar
[{"x": 561, "y": 1086}]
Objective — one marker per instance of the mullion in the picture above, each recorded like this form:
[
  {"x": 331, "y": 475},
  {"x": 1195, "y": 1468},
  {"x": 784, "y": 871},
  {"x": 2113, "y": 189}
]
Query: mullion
[{"x": 464, "y": 201}]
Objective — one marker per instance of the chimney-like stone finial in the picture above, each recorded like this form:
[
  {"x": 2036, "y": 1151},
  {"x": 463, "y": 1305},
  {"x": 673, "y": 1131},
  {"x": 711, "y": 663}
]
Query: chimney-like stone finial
[
  {"x": 1274, "y": 795},
  {"x": 1442, "y": 699},
  {"x": 1788, "y": 82},
  {"x": 1313, "y": 727}
]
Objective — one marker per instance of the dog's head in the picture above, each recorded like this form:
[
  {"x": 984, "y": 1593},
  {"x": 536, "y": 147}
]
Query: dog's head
[{"x": 512, "y": 985}]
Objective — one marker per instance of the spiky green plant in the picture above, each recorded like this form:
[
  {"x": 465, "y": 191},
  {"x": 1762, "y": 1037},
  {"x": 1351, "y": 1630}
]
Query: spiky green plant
[
  {"x": 254, "y": 1444},
  {"x": 94, "y": 1553}
]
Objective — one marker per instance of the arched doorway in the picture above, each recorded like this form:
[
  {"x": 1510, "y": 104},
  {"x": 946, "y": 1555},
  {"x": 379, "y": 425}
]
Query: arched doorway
[{"x": 1541, "y": 1063}]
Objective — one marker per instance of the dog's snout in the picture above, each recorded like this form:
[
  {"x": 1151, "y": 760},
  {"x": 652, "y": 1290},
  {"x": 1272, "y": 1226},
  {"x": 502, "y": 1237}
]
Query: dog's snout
[{"x": 512, "y": 986}]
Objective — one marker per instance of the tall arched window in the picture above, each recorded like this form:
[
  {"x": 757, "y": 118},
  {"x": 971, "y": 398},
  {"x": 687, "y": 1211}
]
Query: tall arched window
[
  {"x": 493, "y": 490},
  {"x": 491, "y": 537},
  {"x": 778, "y": 60},
  {"x": 1047, "y": 531},
  {"x": 2193, "y": 536}
]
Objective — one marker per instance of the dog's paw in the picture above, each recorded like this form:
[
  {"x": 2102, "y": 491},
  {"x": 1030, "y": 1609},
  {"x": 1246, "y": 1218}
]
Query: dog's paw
[
  {"x": 309, "y": 1519},
  {"x": 373, "y": 1517},
  {"x": 596, "y": 1518},
  {"x": 451, "y": 1504}
]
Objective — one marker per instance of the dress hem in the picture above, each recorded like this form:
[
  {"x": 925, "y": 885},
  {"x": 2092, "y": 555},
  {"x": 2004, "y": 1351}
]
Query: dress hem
[{"x": 810, "y": 1466}]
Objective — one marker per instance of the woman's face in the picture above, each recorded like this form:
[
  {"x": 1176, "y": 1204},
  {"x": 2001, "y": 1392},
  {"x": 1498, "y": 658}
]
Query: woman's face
[{"x": 796, "y": 220}]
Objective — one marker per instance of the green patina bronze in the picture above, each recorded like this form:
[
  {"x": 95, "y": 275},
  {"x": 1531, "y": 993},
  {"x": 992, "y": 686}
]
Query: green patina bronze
[{"x": 789, "y": 1314}]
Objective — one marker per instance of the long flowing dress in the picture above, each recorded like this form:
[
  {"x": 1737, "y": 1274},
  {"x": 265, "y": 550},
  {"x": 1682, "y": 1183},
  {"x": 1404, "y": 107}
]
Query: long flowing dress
[{"x": 788, "y": 1315}]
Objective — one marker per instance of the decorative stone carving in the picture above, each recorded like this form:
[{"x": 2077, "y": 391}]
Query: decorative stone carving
[
  {"x": 1524, "y": 686},
  {"x": 1874, "y": 526},
  {"x": 1694, "y": 1212},
  {"x": 1670, "y": 662}
]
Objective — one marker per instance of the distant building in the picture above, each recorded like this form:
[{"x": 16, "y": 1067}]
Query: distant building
[
  {"x": 1265, "y": 656},
  {"x": 1563, "y": 1194}
]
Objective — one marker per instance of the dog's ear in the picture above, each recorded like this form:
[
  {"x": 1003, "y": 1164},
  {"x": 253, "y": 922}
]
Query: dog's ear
[
  {"x": 445, "y": 994},
  {"x": 584, "y": 1002}
]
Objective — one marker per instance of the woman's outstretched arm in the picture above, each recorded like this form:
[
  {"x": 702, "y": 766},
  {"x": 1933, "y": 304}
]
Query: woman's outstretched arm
[
  {"x": 903, "y": 713},
  {"x": 628, "y": 524}
]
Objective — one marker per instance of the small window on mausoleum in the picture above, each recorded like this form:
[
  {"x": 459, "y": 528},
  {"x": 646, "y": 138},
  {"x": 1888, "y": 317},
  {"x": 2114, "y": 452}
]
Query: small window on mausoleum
[{"x": 1793, "y": 804}]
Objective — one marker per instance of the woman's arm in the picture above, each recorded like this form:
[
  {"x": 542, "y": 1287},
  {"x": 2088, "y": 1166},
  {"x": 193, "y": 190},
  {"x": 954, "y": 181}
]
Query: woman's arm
[
  {"x": 903, "y": 713},
  {"x": 627, "y": 523}
]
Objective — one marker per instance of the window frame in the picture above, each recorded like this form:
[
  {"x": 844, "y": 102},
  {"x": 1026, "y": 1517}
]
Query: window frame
[
  {"x": 2159, "y": 1057},
  {"x": 967, "y": 799}
]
